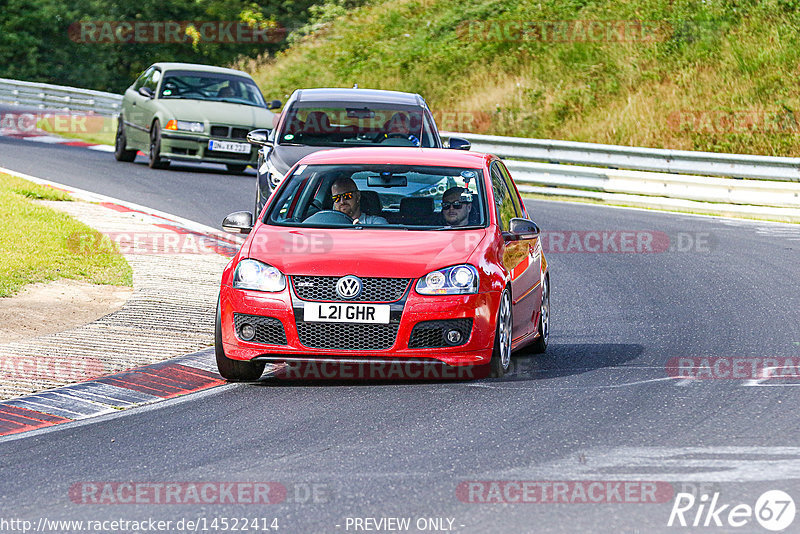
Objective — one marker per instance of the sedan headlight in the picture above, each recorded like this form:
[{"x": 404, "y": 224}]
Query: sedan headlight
[
  {"x": 455, "y": 280},
  {"x": 252, "y": 274},
  {"x": 185, "y": 126},
  {"x": 275, "y": 177}
]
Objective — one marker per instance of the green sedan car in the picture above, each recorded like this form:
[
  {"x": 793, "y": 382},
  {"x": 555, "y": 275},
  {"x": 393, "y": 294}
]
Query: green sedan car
[{"x": 187, "y": 112}]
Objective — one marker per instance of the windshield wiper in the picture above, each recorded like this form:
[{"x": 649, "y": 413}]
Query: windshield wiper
[{"x": 470, "y": 227}]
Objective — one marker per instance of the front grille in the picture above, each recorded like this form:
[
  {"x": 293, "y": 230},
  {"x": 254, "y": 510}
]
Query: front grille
[
  {"x": 219, "y": 131},
  {"x": 268, "y": 329},
  {"x": 347, "y": 336},
  {"x": 431, "y": 334},
  {"x": 375, "y": 289},
  {"x": 239, "y": 133}
]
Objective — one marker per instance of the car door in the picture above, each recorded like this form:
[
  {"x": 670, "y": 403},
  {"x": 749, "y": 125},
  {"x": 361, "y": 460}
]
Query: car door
[
  {"x": 134, "y": 108},
  {"x": 148, "y": 106},
  {"x": 519, "y": 254}
]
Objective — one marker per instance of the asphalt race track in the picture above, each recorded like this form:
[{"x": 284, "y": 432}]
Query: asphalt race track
[{"x": 601, "y": 406}]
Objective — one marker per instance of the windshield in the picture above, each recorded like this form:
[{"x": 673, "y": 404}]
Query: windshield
[
  {"x": 356, "y": 124},
  {"x": 211, "y": 86},
  {"x": 386, "y": 196}
]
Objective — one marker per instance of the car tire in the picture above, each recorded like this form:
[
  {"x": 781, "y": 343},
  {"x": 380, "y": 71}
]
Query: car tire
[
  {"x": 233, "y": 370},
  {"x": 121, "y": 152},
  {"x": 540, "y": 345},
  {"x": 501, "y": 355},
  {"x": 235, "y": 168},
  {"x": 154, "y": 154}
]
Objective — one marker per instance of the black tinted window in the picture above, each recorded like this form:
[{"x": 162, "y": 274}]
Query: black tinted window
[{"x": 502, "y": 199}]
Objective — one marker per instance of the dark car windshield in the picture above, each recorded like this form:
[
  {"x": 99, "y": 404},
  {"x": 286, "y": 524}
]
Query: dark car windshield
[
  {"x": 386, "y": 196},
  {"x": 215, "y": 87},
  {"x": 356, "y": 124}
]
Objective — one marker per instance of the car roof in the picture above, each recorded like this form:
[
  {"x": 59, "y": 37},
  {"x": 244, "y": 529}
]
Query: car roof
[
  {"x": 398, "y": 155},
  {"x": 167, "y": 66},
  {"x": 358, "y": 95}
]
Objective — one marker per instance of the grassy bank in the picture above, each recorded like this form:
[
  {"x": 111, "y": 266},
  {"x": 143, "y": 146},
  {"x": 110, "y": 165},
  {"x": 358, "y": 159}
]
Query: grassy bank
[
  {"x": 689, "y": 75},
  {"x": 38, "y": 244}
]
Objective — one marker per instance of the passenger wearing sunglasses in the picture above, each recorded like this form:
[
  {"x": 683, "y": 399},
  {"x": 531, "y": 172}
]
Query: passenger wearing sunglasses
[
  {"x": 347, "y": 199},
  {"x": 456, "y": 206}
]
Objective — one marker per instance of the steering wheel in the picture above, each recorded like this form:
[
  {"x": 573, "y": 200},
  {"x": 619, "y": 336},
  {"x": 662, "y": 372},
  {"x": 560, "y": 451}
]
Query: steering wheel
[
  {"x": 330, "y": 217},
  {"x": 314, "y": 207}
]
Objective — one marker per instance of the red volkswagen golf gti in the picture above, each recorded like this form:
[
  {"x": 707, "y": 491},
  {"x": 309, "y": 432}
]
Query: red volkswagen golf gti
[{"x": 387, "y": 257}]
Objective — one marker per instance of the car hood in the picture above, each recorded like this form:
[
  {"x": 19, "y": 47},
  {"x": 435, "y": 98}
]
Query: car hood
[
  {"x": 219, "y": 113},
  {"x": 367, "y": 252},
  {"x": 284, "y": 156}
]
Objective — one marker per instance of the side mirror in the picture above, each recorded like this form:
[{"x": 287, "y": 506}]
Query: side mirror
[
  {"x": 522, "y": 229},
  {"x": 259, "y": 137},
  {"x": 459, "y": 143},
  {"x": 146, "y": 92},
  {"x": 240, "y": 222},
  {"x": 275, "y": 104}
]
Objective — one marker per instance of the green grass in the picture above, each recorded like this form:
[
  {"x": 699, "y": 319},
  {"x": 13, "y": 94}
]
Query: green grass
[
  {"x": 39, "y": 244},
  {"x": 717, "y": 76}
]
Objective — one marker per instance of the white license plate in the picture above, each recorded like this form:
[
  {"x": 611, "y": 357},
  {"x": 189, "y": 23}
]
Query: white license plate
[
  {"x": 229, "y": 146},
  {"x": 346, "y": 313}
]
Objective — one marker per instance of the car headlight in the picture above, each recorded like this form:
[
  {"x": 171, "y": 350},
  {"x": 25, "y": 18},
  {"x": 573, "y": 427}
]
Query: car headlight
[
  {"x": 275, "y": 177},
  {"x": 252, "y": 274},
  {"x": 186, "y": 126},
  {"x": 455, "y": 280}
]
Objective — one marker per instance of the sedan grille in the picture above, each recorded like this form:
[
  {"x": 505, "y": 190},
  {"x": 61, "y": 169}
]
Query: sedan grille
[
  {"x": 269, "y": 330},
  {"x": 375, "y": 289},
  {"x": 347, "y": 336},
  {"x": 219, "y": 131},
  {"x": 432, "y": 334}
]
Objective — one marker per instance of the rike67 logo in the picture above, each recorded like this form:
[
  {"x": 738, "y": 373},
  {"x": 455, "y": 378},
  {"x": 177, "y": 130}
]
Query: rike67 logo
[{"x": 774, "y": 510}]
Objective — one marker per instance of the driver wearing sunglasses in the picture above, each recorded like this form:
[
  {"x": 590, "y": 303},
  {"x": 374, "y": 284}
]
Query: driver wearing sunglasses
[
  {"x": 456, "y": 206},
  {"x": 347, "y": 199}
]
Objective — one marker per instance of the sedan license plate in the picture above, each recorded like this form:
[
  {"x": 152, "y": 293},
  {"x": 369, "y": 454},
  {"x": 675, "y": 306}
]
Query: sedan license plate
[
  {"x": 229, "y": 146},
  {"x": 346, "y": 313}
]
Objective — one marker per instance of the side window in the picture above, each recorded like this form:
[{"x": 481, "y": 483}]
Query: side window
[
  {"x": 428, "y": 136},
  {"x": 518, "y": 207},
  {"x": 152, "y": 81},
  {"x": 141, "y": 79},
  {"x": 502, "y": 199}
]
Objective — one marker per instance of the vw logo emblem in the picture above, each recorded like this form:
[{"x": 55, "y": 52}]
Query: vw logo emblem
[{"x": 348, "y": 287}]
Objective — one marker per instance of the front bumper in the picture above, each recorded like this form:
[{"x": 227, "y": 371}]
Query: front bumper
[
  {"x": 194, "y": 147},
  {"x": 480, "y": 308}
]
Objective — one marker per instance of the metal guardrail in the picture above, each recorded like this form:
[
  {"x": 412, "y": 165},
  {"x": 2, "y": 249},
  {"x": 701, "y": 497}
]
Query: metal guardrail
[
  {"x": 779, "y": 194},
  {"x": 58, "y": 97},
  {"x": 643, "y": 159}
]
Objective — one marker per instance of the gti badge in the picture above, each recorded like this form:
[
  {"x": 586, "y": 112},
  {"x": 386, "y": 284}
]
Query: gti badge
[{"x": 348, "y": 287}]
